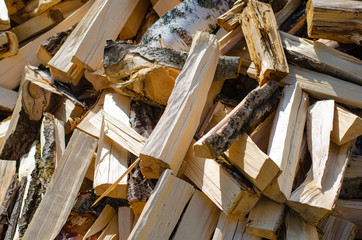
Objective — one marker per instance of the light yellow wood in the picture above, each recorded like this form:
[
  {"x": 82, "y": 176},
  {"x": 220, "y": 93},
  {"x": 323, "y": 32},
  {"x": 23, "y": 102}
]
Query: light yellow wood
[
  {"x": 226, "y": 227},
  {"x": 68, "y": 112},
  {"x": 166, "y": 149},
  {"x": 12, "y": 68},
  {"x": 111, "y": 231},
  {"x": 98, "y": 79},
  {"x": 199, "y": 220},
  {"x": 125, "y": 222},
  {"x": 101, "y": 222},
  {"x": 230, "y": 19},
  {"x": 170, "y": 195},
  {"x": 9, "y": 44},
  {"x": 350, "y": 210},
  {"x": 4, "y": 16},
  {"x": 346, "y": 126},
  {"x": 63, "y": 188},
  {"x": 312, "y": 203},
  {"x": 230, "y": 40},
  {"x": 255, "y": 165},
  {"x": 163, "y": 6},
  {"x": 59, "y": 135},
  {"x": 265, "y": 218},
  {"x": 338, "y": 229},
  {"x": 8, "y": 99},
  {"x": 7, "y": 170},
  {"x": 298, "y": 229},
  {"x": 264, "y": 129}
]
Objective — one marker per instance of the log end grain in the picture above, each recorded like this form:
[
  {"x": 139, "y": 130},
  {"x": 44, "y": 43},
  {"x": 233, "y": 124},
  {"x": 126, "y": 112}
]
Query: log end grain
[{"x": 152, "y": 168}]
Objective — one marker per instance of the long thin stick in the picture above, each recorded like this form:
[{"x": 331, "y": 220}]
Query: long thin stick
[{"x": 117, "y": 181}]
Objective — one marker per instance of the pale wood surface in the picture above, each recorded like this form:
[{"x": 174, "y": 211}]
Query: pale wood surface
[
  {"x": 199, "y": 220},
  {"x": 319, "y": 128},
  {"x": 166, "y": 149},
  {"x": 4, "y": 125},
  {"x": 287, "y": 10},
  {"x": 131, "y": 27},
  {"x": 125, "y": 222},
  {"x": 163, "y": 6},
  {"x": 4, "y": 16},
  {"x": 43, "y": 5},
  {"x": 68, "y": 112},
  {"x": 298, "y": 229},
  {"x": 8, "y": 99},
  {"x": 9, "y": 44},
  {"x": 111, "y": 231},
  {"x": 264, "y": 129},
  {"x": 7, "y": 169},
  {"x": 230, "y": 19},
  {"x": 59, "y": 135},
  {"x": 169, "y": 196},
  {"x": 59, "y": 197},
  {"x": 101, "y": 222},
  {"x": 346, "y": 126},
  {"x": 13, "y": 67},
  {"x": 350, "y": 210},
  {"x": 338, "y": 229},
  {"x": 226, "y": 227}
]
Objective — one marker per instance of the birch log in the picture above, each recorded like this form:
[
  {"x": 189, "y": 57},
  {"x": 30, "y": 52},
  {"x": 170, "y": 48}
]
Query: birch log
[{"x": 167, "y": 144}]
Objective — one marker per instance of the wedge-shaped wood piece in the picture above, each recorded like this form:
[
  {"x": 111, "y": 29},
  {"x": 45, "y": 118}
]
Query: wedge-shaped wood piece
[
  {"x": 171, "y": 194},
  {"x": 233, "y": 196},
  {"x": 321, "y": 58},
  {"x": 264, "y": 129},
  {"x": 163, "y": 6},
  {"x": 346, "y": 126},
  {"x": 350, "y": 210},
  {"x": 313, "y": 203},
  {"x": 230, "y": 19},
  {"x": 265, "y": 218},
  {"x": 262, "y": 37},
  {"x": 59, "y": 135},
  {"x": 230, "y": 40},
  {"x": 8, "y": 99},
  {"x": 12, "y": 68},
  {"x": 4, "y": 16},
  {"x": 36, "y": 95},
  {"x": 111, "y": 231},
  {"x": 256, "y": 166},
  {"x": 7, "y": 170},
  {"x": 199, "y": 220},
  {"x": 103, "y": 219},
  {"x": 323, "y": 86},
  {"x": 125, "y": 222},
  {"x": 63, "y": 189},
  {"x": 298, "y": 229},
  {"x": 255, "y": 105},
  {"x": 319, "y": 128},
  {"x": 167, "y": 145},
  {"x": 339, "y": 20},
  {"x": 8, "y": 44},
  {"x": 339, "y": 229},
  {"x": 352, "y": 179}
]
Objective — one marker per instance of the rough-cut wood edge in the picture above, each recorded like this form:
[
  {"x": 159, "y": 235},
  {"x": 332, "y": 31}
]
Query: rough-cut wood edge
[{"x": 11, "y": 47}]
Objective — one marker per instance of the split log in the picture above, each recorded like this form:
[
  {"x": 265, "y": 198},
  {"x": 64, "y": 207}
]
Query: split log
[
  {"x": 12, "y": 68},
  {"x": 8, "y": 44},
  {"x": 230, "y": 191},
  {"x": 321, "y": 58},
  {"x": 287, "y": 10},
  {"x": 103, "y": 219},
  {"x": 352, "y": 179},
  {"x": 4, "y": 16},
  {"x": 50, "y": 46},
  {"x": 8, "y": 100},
  {"x": 7, "y": 170},
  {"x": 97, "y": 78},
  {"x": 36, "y": 96},
  {"x": 43, "y": 5},
  {"x": 255, "y": 165},
  {"x": 286, "y": 139},
  {"x": 54, "y": 208},
  {"x": 319, "y": 128},
  {"x": 163, "y": 6},
  {"x": 148, "y": 21},
  {"x": 177, "y": 127},
  {"x": 350, "y": 210},
  {"x": 262, "y": 37},
  {"x": 4, "y": 126},
  {"x": 323, "y": 86},
  {"x": 199, "y": 220},
  {"x": 298, "y": 229},
  {"x": 156, "y": 222},
  {"x": 111, "y": 231},
  {"x": 125, "y": 222},
  {"x": 338, "y": 229},
  {"x": 149, "y": 73},
  {"x": 254, "y": 106},
  {"x": 314, "y": 204},
  {"x": 178, "y": 25},
  {"x": 230, "y": 40},
  {"x": 340, "y": 21},
  {"x": 264, "y": 129},
  {"x": 346, "y": 126},
  {"x": 230, "y": 19},
  {"x": 265, "y": 218}
]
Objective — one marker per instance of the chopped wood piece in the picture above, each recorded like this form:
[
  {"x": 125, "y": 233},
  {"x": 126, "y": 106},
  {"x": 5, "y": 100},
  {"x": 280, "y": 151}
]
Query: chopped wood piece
[
  {"x": 59, "y": 197},
  {"x": 149, "y": 73},
  {"x": 8, "y": 99},
  {"x": 319, "y": 128},
  {"x": 177, "y": 26},
  {"x": 98, "y": 79},
  {"x": 4, "y": 126},
  {"x": 264, "y": 129},
  {"x": 352, "y": 179},
  {"x": 350, "y": 210},
  {"x": 111, "y": 231},
  {"x": 338, "y": 229},
  {"x": 298, "y": 229},
  {"x": 323, "y": 86},
  {"x": 226, "y": 227},
  {"x": 262, "y": 37},
  {"x": 199, "y": 220},
  {"x": 346, "y": 126},
  {"x": 103, "y": 219},
  {"x": 156, "y": 222},
  {"x": 12, "y": 68},
  {"x": 256, "y": 166},
  {"x": 220, "y": 138},
  {"x": 125, "y": 222},
  {"x": 163, "y": 6},
  {"x": 7, "y": 170},
  {"x": 232, "y": 194},
  {"x": 265, "y": 218},
  {"x": 51, "y": 46},
  {"x": 181, "y": 117},
  {"x": 314, "y": 204},
  {"x": 287, "y": 10},
  {"x": 43, "y": 5},
  {"x": 8, "y": 44},
  {"x": 4, "y": 16},
  {"x": 338, "y": 20},
  {"x": 230, "y": 19},
  {"x": 36, "y": 96},
  {"x": 321, "y": 58},
  {"x": 59, "y": 135},
  {"x": 230, "y": 40}
]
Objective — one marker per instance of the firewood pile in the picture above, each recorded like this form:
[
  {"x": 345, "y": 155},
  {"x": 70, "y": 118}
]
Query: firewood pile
[{"x": 171, "y": 119}]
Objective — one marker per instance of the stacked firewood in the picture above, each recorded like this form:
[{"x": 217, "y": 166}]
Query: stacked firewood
[{"x": 170, "y": 119}]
